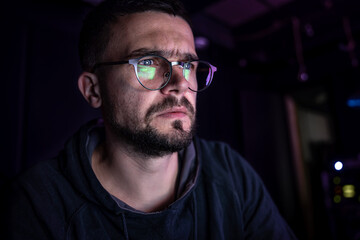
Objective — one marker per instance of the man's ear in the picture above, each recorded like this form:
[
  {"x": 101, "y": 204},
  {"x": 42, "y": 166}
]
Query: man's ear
[{"x": 88, "y": 84}]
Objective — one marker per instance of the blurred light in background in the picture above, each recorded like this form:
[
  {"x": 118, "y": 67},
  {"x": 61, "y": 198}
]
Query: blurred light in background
[
  {"x": 337, "y": 198},
  {"x": 338, "y": 165},
  {"x": 353, "y": 102},
  {"x": 201, "y": 43},
  {"x": 337, "y": 180},
  {"x": 349, "y": 191}
]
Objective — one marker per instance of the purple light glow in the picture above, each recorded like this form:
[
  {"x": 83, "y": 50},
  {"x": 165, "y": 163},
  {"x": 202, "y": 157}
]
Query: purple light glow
[
  {"x": 93, "y": 2},
  {"x": 201, "y": 43}
]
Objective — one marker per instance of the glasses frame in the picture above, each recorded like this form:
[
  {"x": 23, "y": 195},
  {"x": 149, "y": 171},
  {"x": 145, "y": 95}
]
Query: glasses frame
[{"x": 135, "y": 62}]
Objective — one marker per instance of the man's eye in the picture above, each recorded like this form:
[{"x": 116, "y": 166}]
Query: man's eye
[
  {"x": 187, "y": 66},
  {"x": 146, "y": 62}
]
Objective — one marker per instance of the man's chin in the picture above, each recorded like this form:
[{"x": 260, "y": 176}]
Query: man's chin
[
  {"x": 157, "y": 144},
  {"x": 154, "y": 142},
  {"x": 173, "y": 127}
]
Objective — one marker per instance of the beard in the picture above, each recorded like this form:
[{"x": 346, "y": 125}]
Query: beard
[{"x": 148, "y": 141}]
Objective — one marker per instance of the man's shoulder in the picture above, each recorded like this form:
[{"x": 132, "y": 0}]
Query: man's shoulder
[
  {"x": 220, "y": 160},
  {"x": 41, "y": 173},
  {"x": 216, "y": 150},
  {"x": 45, "y": 185},
  {"x": 212, "y": 145}
]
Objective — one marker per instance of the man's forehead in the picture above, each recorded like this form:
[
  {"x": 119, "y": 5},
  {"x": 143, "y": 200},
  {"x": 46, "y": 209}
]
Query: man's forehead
[
  {"x": 149, "y": 22},
  {"x": 156, "y": 33}
]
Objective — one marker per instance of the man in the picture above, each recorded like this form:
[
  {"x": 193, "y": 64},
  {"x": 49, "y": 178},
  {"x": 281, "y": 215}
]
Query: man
[{"x": 139, "y": 173}]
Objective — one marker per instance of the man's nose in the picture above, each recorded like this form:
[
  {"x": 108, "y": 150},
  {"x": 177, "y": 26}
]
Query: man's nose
[{"x": 177, "y": 83}]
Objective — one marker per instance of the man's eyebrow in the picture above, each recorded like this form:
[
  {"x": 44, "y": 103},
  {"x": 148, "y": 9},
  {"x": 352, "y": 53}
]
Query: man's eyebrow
[
  {"x": 167, "y": 54},
  {"x": 142, "y": 52},
  {"x": 190, "y": 56}
]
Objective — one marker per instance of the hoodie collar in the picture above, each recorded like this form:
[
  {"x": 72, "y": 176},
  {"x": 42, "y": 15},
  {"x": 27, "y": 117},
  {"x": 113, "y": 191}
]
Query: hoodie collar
[{"x": 79, "y": 150}]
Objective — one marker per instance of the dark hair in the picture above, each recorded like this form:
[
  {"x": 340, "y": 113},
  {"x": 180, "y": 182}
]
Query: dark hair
[{"x": 95, "y": 33}]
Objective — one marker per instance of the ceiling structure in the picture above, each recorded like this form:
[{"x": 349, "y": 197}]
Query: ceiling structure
[
  {"x": 247, "y": 20},
  {"x": 234, "y": 12},
  {"x": 277, "y": 33}
]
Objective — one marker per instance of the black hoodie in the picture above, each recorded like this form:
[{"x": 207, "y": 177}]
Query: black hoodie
[{"x": 223, "y": 198}]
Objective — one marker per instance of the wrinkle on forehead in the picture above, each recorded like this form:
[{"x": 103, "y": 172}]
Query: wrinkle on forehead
[{"x": 173, "y": 53}]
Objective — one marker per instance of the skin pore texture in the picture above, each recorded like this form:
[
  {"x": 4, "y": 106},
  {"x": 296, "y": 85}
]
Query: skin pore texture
[{"x": 138, "y": 169}]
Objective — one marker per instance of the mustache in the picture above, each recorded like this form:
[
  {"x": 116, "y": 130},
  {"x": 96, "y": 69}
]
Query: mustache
[{"x": 169, "y": 103}]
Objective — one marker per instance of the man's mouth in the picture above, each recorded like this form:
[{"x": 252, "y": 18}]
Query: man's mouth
[
  {"x": 174, "y": 112},
  {"x": 171, "y": 108}
]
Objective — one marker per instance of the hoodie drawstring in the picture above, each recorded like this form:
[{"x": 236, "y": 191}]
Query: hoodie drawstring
[
  {"x": 194, "y": 215},
  {"x": 125, "y": 226}
]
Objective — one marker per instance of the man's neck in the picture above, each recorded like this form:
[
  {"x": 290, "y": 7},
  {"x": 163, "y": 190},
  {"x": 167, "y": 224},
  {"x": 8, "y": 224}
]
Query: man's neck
[{"x": 146, "y": 184}]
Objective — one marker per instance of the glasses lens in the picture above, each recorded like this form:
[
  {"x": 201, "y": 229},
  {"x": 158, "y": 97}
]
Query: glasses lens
[
  {"x": 199, "y": 75},
  {"x": 153, "y": 72}
]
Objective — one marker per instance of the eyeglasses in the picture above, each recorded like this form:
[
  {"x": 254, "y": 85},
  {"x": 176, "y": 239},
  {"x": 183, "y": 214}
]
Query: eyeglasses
[{"x": 154, "y": 72}]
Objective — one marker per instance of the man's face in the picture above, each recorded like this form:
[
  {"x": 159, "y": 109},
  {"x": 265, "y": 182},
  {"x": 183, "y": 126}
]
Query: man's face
[{"x": 153, "y": 122}]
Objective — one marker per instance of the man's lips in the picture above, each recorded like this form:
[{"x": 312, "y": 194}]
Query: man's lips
[{"x": 175, "y": 112}]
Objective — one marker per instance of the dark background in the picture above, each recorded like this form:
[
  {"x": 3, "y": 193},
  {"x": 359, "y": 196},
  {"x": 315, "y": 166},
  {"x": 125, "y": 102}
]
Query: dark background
[{"x": 286, "y": 72}]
